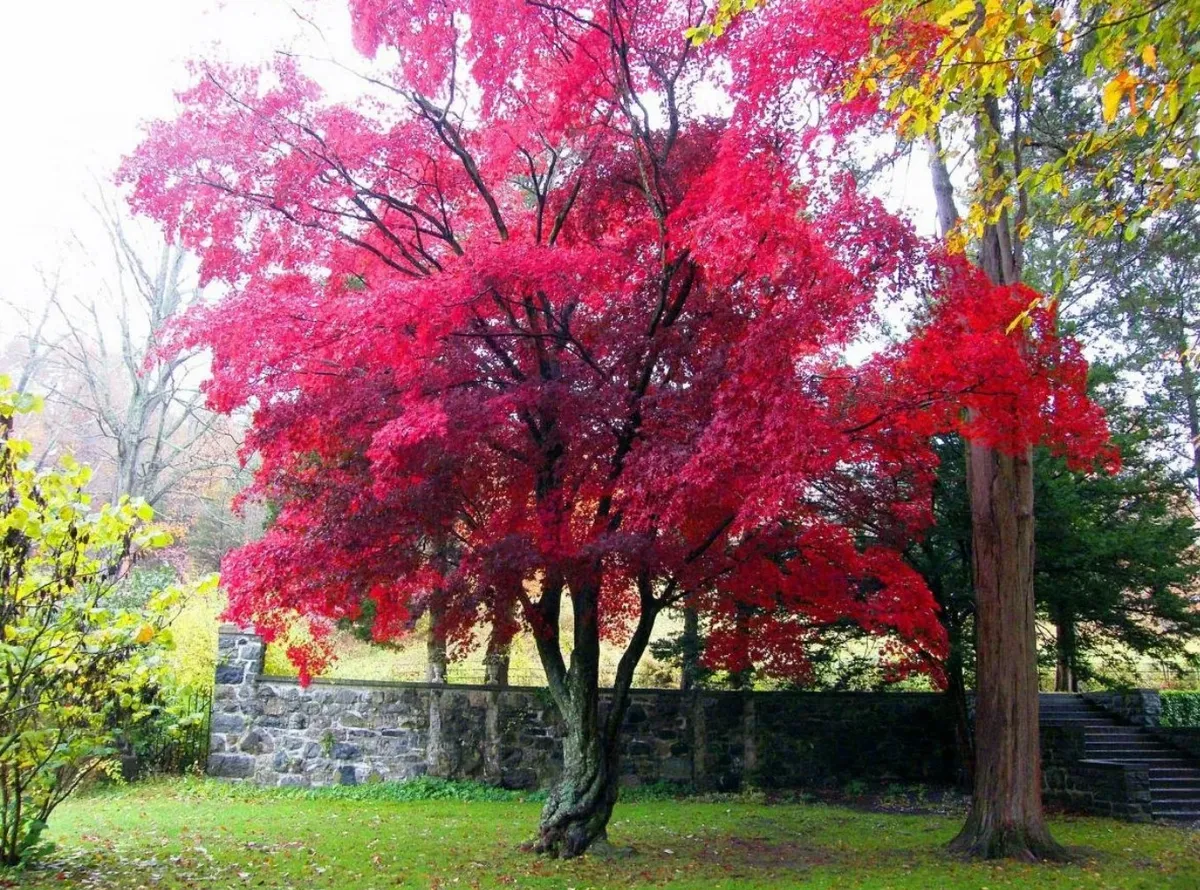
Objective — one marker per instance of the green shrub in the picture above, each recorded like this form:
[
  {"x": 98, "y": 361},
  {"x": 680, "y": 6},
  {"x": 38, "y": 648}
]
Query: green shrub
[
  {"x": 1180, "y": 709},
  {"x": 73, "y": 669}
]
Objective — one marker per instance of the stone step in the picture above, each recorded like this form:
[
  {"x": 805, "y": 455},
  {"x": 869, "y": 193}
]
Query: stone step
[
  {"x": 1068, "y": 709},
  {"x": 1174, "y": 772},
  {"x": 1188, "y": 795},
  {"x": 1182, "y": 815},
  {"x": 1129, "y": 753},
  {"x": 1148, "y": 762}
]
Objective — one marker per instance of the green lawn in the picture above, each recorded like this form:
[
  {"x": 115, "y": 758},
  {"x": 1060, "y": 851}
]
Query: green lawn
[{"x": 198, "y": 834}]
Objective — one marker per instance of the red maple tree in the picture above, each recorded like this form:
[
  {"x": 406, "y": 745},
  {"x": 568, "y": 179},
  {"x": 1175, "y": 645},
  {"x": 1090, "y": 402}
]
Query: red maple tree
[{"x": 529, "y": 328}]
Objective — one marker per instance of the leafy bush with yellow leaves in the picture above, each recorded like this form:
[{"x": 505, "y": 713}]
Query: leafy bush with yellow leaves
[{"x": 73, "y": 668}]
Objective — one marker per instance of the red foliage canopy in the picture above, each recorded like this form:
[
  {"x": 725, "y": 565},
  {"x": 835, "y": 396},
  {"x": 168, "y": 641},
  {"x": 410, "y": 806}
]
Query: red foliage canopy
[{"x": 562, "y": 306}]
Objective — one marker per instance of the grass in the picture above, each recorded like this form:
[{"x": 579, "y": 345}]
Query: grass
[{"x": 201, "y": 834}]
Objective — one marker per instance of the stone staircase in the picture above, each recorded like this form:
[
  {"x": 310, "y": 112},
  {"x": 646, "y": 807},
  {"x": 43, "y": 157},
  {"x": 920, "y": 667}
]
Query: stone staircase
[{"x": 1174, "y": 776}]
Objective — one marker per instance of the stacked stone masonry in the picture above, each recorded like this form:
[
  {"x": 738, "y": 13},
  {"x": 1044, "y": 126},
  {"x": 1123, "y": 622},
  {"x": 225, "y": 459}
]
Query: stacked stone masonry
[{"x": 273, "y": 731}]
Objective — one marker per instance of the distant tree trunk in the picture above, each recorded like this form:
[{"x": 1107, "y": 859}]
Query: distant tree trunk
[
  {"x": 690, "y": 649},
  {"x": 743, "y": 678},
  {"x": 435, "y": 647},
  {"x": 1064, "y": 647},
  {"x": 1191, "y": 395},
  {"x": 956, "y": 691},
  {"x": 499, "y": 648}
]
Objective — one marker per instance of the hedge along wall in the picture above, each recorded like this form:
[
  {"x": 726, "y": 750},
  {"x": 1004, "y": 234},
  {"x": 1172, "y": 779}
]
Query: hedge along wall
[
  {"x": 273, "y": 731},
  {"x": 1180, "y": 709}
]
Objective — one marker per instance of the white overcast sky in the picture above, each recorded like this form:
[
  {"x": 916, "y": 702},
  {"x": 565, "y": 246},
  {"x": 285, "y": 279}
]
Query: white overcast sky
[
  {"x": 79, "y": 77},
  {"x": 77, "y": 80}
]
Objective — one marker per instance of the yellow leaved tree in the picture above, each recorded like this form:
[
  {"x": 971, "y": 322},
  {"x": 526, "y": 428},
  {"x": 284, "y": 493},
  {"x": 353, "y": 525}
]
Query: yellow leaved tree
[{"x": 74, "y": 670}]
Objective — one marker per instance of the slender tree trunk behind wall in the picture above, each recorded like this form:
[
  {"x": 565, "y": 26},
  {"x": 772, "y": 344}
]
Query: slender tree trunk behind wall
[
  {"x": 1064, "y": 647},
  {"x": 690, "y": 647},
  {"x": 956, "y": 691},
  {"x": 435, "y": 648}
]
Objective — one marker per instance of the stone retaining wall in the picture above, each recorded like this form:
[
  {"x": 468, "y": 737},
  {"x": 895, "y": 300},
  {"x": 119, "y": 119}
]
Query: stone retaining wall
[
  {"x": 273, "y": 731},
  {"x": 1138, "y": 707},
  {"x": 1096, "y": 787}
]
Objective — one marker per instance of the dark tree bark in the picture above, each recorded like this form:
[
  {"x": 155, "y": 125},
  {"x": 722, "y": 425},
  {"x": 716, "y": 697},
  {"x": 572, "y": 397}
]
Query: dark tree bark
[
  {"x": 956, "y": 692},
  {"x": 1006, "y": 818},
  {"x": 579, "y": 806}
]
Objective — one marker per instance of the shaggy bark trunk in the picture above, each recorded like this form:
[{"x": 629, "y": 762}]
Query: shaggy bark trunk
[
  {"x": 1006, "y": 817},
  {"x": 1064, "y": 646}
]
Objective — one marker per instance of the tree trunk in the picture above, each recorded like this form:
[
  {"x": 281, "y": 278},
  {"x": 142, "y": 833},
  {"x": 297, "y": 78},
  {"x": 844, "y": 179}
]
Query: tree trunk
[
  {"x": 1064, "y": 647},
  {"x": 1006, "y": 818},
  {"x": 956, "y": 691},
  {"x": 1191, "y": 397},
  {"x": 690, "y": 649},
  {"x": 581, "y": 802},
  {"x": 575, "y": 817},
  {"x": 435, "y": 649}
]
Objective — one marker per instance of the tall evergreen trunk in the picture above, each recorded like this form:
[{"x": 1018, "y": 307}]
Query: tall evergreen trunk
[
  {"x": 1006, "y": 817},
  {"x": 1064, "y": 648}
]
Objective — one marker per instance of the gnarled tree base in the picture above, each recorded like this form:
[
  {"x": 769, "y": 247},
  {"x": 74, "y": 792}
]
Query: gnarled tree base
[
  {"x": 576, "y": 815},
  {"x": 982, "y": 838}
]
